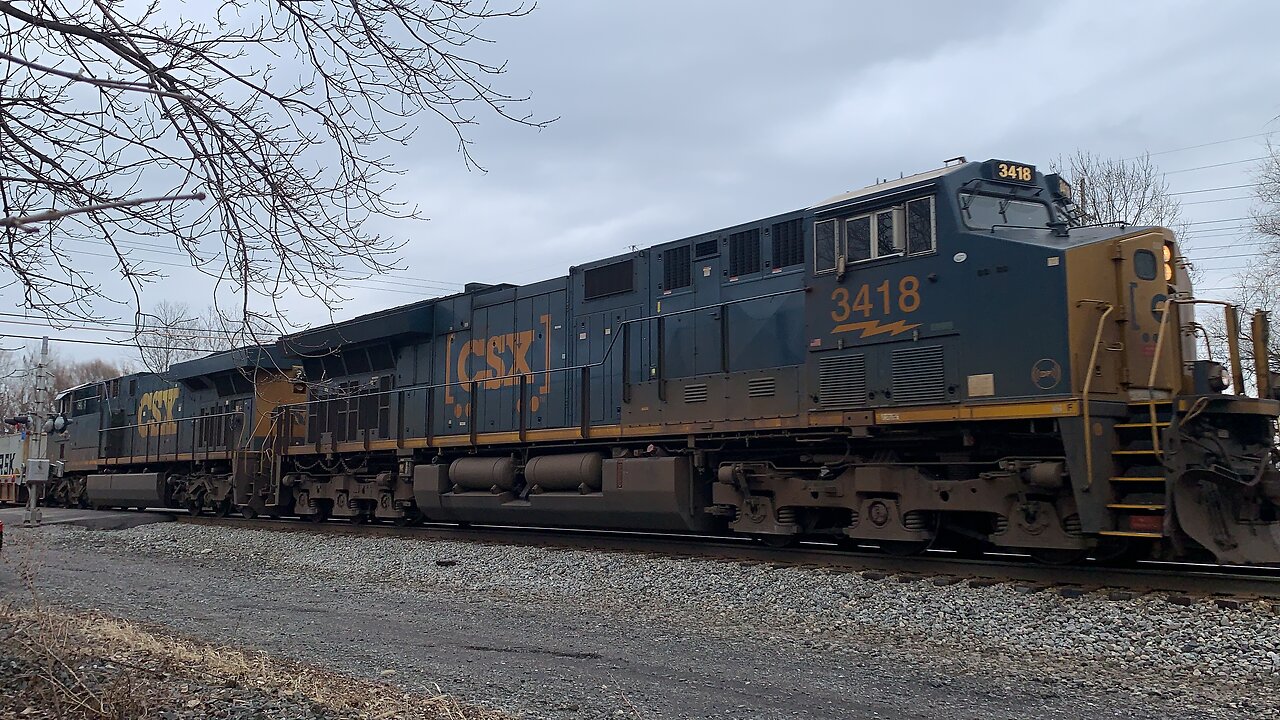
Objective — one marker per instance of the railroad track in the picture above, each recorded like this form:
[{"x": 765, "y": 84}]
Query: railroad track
[{"x": 1229, "y": 587}]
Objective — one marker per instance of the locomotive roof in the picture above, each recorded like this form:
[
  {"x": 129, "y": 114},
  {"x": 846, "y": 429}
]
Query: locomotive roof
[
  {"x": 412, "y": 319},
  {"x": 254, "y": 356},
  {"x": 902, "y": 182}
]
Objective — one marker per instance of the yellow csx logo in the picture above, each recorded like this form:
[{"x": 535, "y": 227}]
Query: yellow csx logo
[
  {"x": 501, "y": 356},
  {"x": 156, "y": 411},
  {"x": 496, "y": 362}
]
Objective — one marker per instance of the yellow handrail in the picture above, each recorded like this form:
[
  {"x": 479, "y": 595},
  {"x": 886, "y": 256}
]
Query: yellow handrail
[{"x": 1088, "y": 382}]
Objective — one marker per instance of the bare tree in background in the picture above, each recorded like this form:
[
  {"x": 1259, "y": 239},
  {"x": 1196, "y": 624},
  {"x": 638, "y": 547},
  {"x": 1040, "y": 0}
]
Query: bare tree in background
[
  {"x": 1257, "y": 287},
  {"x": 17, "y": 368},
  {"x": 171, "y": 332},
  {"x": 286, "y": 112},
  {"x": 1133, "y": 191}
]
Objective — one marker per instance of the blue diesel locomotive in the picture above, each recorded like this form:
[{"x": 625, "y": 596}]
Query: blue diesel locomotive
[{"x": 949, "y": 358}]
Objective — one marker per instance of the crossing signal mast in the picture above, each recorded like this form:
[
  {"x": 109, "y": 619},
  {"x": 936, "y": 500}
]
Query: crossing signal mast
[{"x": 37, "y": 469}]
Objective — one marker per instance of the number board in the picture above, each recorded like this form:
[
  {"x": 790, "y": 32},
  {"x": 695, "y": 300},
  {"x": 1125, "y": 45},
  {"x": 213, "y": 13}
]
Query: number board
[{"x": 1006, "y": 171}]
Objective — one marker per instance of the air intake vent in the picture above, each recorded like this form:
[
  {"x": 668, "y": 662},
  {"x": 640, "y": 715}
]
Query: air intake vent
[
  {"x": 676, "y": 270},
  {"x": 842, "y": 381},
  {"x": 744, "y": 252},
  {"x": 695, "y": 393},
  {"x": 706, "y": 249},
  {"x": 918, "y": 375},
  {"x": 761, "y": 387}
]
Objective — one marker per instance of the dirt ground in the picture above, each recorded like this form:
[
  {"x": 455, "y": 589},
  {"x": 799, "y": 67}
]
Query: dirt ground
[{"x": 533, "y": 659}]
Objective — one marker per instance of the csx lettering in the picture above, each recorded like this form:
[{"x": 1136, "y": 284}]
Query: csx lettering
[
  {"x": 504, "y": 357},
  {"x": 156, "y": 412}
]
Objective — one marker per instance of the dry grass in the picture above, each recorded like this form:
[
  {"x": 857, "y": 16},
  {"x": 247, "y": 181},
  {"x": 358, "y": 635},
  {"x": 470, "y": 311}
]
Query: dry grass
[
  {"x": 85, "y": 665},
  {"x": 59, "y": 664}
]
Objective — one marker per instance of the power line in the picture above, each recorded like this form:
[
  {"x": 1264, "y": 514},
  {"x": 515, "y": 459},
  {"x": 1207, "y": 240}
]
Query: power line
[
  {"x": 1210, "y": 222},
  {"x": 80, "y": 341},
  {"x": 352, "y": 284},
  {"x": 1217, "y": 189},
  {"x": 1205, "y": 202},
  {"x": 1204, "y": 145},
  {"x": 180, "y": 335},
  {"x": 1216, "y": 165}
]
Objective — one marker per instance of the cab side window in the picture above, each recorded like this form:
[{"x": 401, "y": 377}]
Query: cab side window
[
  {"x": 824, "y": 246},
  {"x": 906, "y": 229},
  {"x": 857, "y": 233},
  {"x": 921, "y": 230}
]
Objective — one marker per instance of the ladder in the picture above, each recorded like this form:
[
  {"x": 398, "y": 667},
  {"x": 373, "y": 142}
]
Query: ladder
[{"x": 1138, "y": 488}]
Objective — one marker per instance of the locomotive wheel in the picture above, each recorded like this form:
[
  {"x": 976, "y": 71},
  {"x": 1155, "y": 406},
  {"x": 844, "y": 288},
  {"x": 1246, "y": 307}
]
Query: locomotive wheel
[
  {"x": 1119, "y": 552},
  {"x": 779, "y": 541},
  {"x": 195, "y": 506},
  {"x": 320, "y": 515},
  {"x": 248, "y": 512},
  {"x": 1057, "y": 556},
  {"x": 222, "y": 509},
  {"x": 411, "y": 517},
  {"x": 903, "y": 548}
]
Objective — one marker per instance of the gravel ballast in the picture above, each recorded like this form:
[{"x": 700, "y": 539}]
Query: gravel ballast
[{"x": 818, "y": 643}]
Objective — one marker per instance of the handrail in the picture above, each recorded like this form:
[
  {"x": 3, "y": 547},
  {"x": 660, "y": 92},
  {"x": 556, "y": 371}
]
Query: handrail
[
  {"x": 1233, "y": 350},
  {"x": 174, "y": 420},
  {"x": 608, "y": 352},
  {"x": 230, "y": 445},
  {"x": 1107, "y": 309}
]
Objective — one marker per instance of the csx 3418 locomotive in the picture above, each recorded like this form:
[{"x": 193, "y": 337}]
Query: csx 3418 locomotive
[{"x": 944, "y": 359}]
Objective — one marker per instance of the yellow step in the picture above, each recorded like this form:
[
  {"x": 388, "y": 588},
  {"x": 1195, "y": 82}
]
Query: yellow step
[
  {"x": 1138, "y": 479},
  {"x": 1135, "y": 506},
  {"x": 1141, "y": 425},
  {"x": 1130, "y": 533},
  {"x": 1133, "y": 452}
]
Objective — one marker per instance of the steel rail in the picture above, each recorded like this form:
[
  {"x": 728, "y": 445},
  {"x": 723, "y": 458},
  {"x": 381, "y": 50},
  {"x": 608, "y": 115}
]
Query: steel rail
[{"x": 941, "y": 567}]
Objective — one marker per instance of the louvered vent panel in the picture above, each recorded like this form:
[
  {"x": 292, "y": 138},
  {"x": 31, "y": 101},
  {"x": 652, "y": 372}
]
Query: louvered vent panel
[
  {"x": 842, "y": 381},
  {"x": 761, "y": 387},
  {"x": 788, "y": 244},
  {"x": 918, "y": 375},
  {"x": 695, "y": 393},
  {"x": 744, "y": 252},
  {"x": 676, "y": 271},
  {"x": 706, "y": 249}
]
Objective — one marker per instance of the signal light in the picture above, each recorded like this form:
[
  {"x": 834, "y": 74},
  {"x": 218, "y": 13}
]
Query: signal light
[{"x": 1168, "y": 263}]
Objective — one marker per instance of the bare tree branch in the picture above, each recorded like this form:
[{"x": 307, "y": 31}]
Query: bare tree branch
[{"x": 287, "y": 113}]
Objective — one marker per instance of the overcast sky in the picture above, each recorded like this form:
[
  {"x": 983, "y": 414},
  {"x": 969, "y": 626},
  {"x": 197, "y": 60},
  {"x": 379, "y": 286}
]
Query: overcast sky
[{"x": 680, "y": 117}]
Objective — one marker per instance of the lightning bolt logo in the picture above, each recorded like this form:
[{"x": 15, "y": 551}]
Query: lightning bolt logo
[{"x": 871, "y": 328}]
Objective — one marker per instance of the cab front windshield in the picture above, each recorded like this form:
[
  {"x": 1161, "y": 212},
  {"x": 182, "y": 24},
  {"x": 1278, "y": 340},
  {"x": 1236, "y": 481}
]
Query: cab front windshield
[{"x": 986, "y": 211}]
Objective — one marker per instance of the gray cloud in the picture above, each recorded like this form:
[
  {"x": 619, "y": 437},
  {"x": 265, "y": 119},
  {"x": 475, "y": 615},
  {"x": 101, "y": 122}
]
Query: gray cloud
[{"x": 680, "y": 117}]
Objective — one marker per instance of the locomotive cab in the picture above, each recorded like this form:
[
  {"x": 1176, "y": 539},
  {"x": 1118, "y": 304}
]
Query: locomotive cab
[{"x": 996, "y": 329}]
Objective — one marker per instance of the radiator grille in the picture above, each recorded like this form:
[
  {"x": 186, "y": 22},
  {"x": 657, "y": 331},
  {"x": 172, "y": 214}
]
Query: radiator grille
[
  {"x": 744, "y": 252},
  {"x": 842, "y": 381},
  {"x": 695, "y": 393},
  {"x": 918, "y": 375},
  {"x": 761, "y": 387},
  {"x": 788, "y": 244},
  {"x": 676, "y": 269}
]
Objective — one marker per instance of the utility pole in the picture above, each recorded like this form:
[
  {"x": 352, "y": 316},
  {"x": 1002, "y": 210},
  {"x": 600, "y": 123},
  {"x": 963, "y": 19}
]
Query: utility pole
[{"x": 38, "y": 456}]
